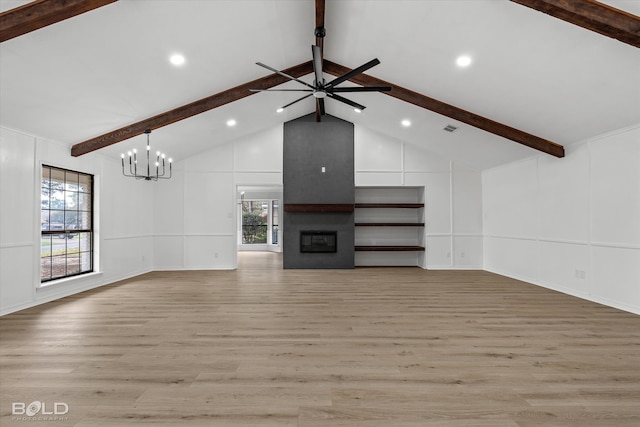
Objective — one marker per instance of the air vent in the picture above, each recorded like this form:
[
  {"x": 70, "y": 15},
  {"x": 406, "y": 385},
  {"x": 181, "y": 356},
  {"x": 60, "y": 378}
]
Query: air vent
[{"x": 450, "y": 128}]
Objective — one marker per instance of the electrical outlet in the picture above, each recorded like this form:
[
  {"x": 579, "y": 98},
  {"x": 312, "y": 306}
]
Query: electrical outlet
[{"x": 215, "y": 254}]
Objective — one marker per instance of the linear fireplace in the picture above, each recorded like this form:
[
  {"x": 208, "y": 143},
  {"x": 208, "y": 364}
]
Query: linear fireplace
[{"x": 318, "y": 241}]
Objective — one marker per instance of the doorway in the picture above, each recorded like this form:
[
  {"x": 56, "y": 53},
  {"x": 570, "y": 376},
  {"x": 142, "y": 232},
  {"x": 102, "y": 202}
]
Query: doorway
[{"x": 259, "y": 218}]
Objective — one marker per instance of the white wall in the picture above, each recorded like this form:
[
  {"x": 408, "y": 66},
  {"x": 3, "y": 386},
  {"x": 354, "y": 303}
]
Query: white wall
[
  {"x": 570, "y": 224},
  {"x": 453, "y": 195},
  {"x": 199, "y": 231},
  {"x": 123, "y": 217}
]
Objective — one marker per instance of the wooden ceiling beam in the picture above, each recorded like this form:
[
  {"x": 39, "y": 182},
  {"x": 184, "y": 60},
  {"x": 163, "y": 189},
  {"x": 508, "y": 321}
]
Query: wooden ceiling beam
[
  {"x": 189, "y": 110},
  {"x": 448, "y": 110},
  {"x": 319, "y": 32},
  {"x": 41, "y": 13},
  {"x": 592, "y": 15}
]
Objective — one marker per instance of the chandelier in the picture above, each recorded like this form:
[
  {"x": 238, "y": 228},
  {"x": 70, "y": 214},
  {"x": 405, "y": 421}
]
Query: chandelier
[{"x": 160, "y": 165}]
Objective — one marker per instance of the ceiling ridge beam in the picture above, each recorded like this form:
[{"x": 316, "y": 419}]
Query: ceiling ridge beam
[
  {"x": 41, "y": 13},
  {"x": 189, "y": 110},
  {"x": 451, "y": 111},
  {"x": 592, "y": 15},
  {"x": 319, "y": 32}
]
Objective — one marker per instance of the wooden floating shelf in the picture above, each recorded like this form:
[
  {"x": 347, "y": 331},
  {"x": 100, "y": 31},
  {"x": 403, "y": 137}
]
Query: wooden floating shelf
[
  {"x": 318, "y": 207},
  {"x": 389, "y": 224},
  {"x": 390, "y": 248},
  {"x": 390, "y": 205}
]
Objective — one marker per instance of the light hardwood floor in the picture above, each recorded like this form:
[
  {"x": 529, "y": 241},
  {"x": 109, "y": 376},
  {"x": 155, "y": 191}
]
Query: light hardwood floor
[{"x": 262, "y": 346}]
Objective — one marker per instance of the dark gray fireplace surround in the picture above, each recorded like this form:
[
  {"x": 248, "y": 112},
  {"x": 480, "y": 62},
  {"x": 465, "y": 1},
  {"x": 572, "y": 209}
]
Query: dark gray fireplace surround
[{"x": 318, "y": 175}]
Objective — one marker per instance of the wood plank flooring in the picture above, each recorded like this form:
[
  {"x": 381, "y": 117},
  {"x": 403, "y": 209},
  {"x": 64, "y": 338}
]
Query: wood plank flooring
[{"x": 262, "y": 346}]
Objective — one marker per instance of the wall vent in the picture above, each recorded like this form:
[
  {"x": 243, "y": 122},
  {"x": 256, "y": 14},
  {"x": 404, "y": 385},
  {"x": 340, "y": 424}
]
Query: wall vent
[{"x": 450, "y": 128}]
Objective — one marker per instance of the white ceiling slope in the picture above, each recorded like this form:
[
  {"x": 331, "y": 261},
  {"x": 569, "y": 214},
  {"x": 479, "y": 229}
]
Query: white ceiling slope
[{"x": 108, "y": 68}]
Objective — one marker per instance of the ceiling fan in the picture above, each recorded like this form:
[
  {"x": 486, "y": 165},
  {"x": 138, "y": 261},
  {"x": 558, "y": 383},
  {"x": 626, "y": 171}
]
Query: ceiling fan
[{"x": 320, "y": 89}]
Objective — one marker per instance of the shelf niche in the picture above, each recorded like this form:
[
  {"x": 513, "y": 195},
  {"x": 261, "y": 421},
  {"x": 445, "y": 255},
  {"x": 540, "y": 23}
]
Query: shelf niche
[{"x": 389, "y": 226}]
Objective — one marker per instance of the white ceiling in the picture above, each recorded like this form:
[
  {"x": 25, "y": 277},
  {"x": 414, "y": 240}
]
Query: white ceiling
[{"x": 108, "y": 68}]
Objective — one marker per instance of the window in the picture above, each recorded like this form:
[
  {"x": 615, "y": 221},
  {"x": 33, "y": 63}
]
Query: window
[
  {"x": 66, "y": 223},
  {"x": 260, "y": 219},
  {"x": 275, "y": 221},
  {"x": 254, "y": 222}
]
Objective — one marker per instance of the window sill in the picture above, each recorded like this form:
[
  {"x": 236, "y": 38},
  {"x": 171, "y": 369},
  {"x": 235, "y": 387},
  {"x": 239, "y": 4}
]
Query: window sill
[{"x": 68, "y": 281}]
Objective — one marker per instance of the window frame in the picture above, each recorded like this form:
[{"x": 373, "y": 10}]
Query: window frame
[{"x": 66, "y": 231}]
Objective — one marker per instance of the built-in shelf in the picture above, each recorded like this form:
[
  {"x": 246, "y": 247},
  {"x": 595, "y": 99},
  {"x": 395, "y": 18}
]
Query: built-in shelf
[
  {"x": 390, "y": 248},
  {"x": 389, "y": 205},
  {"x": 389, "y": 224},
  {"x": 318, "y": 207}
]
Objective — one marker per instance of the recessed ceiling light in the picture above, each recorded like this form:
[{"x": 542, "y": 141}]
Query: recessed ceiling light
[
  {"x": 406, "y": 123},
  {"x": 177, "y": 59},
  {"x": 231, "y": 122},
  {"x": 463, "y": 61},
  {"x": 280, "y": 110},
  {"x": 357, "y": 110}
]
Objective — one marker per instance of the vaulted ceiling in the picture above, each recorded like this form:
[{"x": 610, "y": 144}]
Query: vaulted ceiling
[{"x": 108, "y": 69}]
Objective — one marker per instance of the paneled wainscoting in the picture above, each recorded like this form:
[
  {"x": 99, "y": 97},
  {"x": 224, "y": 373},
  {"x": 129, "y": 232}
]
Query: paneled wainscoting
[{"x": 263, "y": 346}]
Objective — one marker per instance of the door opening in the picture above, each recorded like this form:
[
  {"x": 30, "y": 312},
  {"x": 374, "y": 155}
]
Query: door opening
[{"x": 259, "y": 217}]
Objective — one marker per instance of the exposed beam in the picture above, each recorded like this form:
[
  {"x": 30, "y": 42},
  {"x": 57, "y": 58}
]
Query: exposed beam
[
  {"x": 592, "y": 15},
  {"x": 40, "y": 13},
  {"x": 320, "y": 8},
  {"x": 189, "y": 110},
  {"x": 448, "y": 110},
  {"x": 319, "y": 32}
]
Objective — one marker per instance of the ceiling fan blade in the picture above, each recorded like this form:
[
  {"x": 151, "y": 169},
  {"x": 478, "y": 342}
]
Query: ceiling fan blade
[
  {"x": 360, "y": 89},
  {"x": 280, "y": 90},
  {"x": 346, "y": 101},
  {"x": 297, "y": 100},
  {"x": 316, "y": 52},
  {"x": 353, "y": 73},
  {"x": 317, "y": 64},
  {"x": 283, "y": 74}
]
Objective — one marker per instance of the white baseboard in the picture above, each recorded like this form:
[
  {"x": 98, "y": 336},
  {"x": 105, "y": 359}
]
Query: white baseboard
[
  {"x": 558, "y": 288},
  {"x": 53, "y": 294}
]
